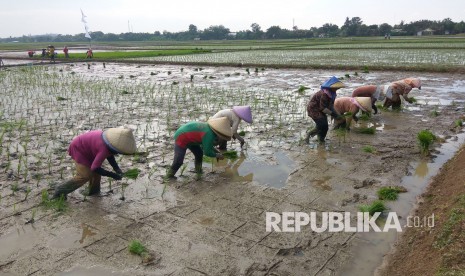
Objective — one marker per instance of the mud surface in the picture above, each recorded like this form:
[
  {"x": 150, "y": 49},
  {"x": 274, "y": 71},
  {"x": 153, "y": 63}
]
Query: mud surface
[{"x": 215, "y": 226}]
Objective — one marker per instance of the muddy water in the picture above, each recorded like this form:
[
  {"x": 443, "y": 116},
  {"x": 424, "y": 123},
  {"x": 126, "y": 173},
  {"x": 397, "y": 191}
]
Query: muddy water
[
  {"x": 272, "y": 171},
  {"x": 22, "y": 237},
  {"x": 92, "y": 271},
  {"x": 370, "y": 248}
]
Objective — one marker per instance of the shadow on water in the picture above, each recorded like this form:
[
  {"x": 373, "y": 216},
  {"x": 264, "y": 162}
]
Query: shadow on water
[
  {"x": 249, "y": 166},
  {"x": 370, "y": 248}
]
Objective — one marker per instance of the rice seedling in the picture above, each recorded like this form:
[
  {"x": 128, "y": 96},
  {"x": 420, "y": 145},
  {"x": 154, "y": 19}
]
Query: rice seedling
[
  {"x": 183, "y": 168},
  {"x": 132, "y": 173},
  {"x": 388, "y": 193},
  {"x": 241, "y": 133},
  {"x": 301, "y": 89},
  {"x": 375, "y": 207},
  {"x": 231, "y": 154},
  {"x": 365, "y": 116},
  {"x": 14, "y": 188},
  {"x": 368, "y": 149},
  {"x": 459, "y": 123},
  {"x": 28, "y": 191},
  {"x": 425, "y": 138},
  {"x": 136, "y": 247},
  {"x": 57, "y": 204},
  {"x": 435, "y": 112},
  {"x": 366, "y": 130}
]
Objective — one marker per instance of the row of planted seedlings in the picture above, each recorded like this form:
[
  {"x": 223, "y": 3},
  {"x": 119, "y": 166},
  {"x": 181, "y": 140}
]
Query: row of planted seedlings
[{"x": 44, "y": 108}]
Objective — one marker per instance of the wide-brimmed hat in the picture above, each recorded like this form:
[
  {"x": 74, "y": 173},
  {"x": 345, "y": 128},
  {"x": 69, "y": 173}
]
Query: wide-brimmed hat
[
  {"x": 243, "y": 112},
  {"x": 413, "y": 82},
  {"x": 221, "y": 127},
  {"x": 120, "y": 140},
  {"x": 332, "y": 83},
  {"x": 365, "y": 102}
]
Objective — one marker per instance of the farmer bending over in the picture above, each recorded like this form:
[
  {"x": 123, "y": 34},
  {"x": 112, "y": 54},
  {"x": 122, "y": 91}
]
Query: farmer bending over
[
  {"x": 234, "y": 115},
  {"x": 404, "y": 87},
  {"x": 353, "y": 105},
  {"x": 89, "y": 150},
  {"x": 199, "y": 138},
  {"x": 322, "y": 104}
]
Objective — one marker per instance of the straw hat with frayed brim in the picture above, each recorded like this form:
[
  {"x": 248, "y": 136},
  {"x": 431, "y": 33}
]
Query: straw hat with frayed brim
[
  {"x": 243, "y": 112},
  {"x": 413, "y": 82},
  {"x": 365, "y": 102},
  {"x": 221, "y": 127},
  {"x": 120, "y": 140}
]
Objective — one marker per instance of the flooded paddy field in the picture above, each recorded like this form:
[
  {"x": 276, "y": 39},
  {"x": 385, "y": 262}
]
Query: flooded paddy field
[{"x": 214, "y": 226}]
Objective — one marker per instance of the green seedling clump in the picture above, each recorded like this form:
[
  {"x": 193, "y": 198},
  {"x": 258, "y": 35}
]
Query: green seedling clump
[
  {"x": 231, "y": 154},
  {"x": 58, "y": 204},
  {"x": 302, "y": 89},
  {"x": 59, "y": 98},
  {"x": 365, "y": 116},
  {"x": 132, "y": 173},
  {"x": 459, "y": 123},
  {"x": 136, "y": 247},
  {"x": 376, "y": 206},
  {"x": 367, "y": 130},
  {"x": 425, "y": 139},
  {"x": 388, "y": 193},
  {"x": 368, "y": 149},
  {"x": 241, "y": 133}
]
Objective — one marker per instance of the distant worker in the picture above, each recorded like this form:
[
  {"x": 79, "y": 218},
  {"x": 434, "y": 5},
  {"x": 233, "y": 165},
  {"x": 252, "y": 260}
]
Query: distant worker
[
  {"x": 89, "y": 53},
  {"x": 30, "y": 53},
  {"x": 44, "y": 52},
  {"x": 322, "y": 104},
  {"x": 234, "y": 115},
  {"x": 65, "y": 50}
]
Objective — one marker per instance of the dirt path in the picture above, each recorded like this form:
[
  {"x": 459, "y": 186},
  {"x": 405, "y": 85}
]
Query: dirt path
[{"x": 438, "y": 250}]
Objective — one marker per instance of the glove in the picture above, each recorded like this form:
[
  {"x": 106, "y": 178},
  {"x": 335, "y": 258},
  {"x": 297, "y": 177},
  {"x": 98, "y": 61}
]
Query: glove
[
  {"x": 119, "y": 172},
  {"x": 115, "y": 176},
  {"x": 219, "y": 156}
]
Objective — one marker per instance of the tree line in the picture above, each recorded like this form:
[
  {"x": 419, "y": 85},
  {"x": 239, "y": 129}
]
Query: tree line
[{"x": 351, "y": 27}]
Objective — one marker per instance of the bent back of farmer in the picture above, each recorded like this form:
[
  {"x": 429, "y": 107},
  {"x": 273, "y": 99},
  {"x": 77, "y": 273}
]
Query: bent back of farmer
[
  {"x": 200, "y": 138},
  {"x": 235, "y": 116},
  {"x": 89, "y": 151}
]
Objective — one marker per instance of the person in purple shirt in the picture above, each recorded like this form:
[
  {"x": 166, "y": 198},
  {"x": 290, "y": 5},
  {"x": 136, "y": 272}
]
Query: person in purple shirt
[{"x": 89, "y": 151}]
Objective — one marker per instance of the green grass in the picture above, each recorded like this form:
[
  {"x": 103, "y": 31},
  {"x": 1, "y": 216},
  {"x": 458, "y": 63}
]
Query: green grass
[
  {"x": 368, "y": 149},
  {"x": 388, "y": 193},
  {"x": 459, "y": 123},
  {"x": 374, "y": 207},
  {"x": 136, "y": 247},
  {"x": 425, "y": 138}
]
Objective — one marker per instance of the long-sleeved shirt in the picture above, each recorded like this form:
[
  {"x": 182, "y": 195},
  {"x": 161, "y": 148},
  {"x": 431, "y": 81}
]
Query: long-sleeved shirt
[
  {"x": 319, "y": 101},
  {"x": 89, "y": 149},
  {"x": 345, "y": 104},
  {"x": 196, "y": 133},
  {"x": 234, "y": 120}
]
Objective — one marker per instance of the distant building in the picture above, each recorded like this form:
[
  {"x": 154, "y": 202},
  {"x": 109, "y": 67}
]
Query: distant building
[{"x": 425, "y": 32}]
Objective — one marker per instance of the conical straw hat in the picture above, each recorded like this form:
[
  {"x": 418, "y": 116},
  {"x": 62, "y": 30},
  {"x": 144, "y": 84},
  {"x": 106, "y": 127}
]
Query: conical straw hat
[
  {"x": 221, "y": 127},
  {"x": 413, "y": 82},
  {"x": 243, "y": 112},
  {"x": 120, "y": 140},
  {"x": 333, "y": 82},
  {"x": 365, "y": 102}
]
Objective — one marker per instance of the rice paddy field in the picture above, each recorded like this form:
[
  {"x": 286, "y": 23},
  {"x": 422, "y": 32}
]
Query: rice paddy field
[{"x": 215, "y": 225}]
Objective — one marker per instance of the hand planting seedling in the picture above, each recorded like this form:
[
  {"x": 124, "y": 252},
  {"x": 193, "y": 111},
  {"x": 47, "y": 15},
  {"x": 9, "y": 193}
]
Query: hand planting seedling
[
  {"x": 132, "y": 173},
  {"x": 230, "y": 154}
]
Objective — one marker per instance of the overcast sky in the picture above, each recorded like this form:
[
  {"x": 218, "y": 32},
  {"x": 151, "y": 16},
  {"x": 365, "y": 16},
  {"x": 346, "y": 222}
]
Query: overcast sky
[{"x": 24, "y": 17}]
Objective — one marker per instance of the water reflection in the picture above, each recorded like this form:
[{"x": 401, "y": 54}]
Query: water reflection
[
  {"x": 422, "y": 169},
  {"x": 271, "y": 171}
]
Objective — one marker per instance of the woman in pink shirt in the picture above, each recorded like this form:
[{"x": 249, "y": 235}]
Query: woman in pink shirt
[{"x": 89, "y": 150}]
